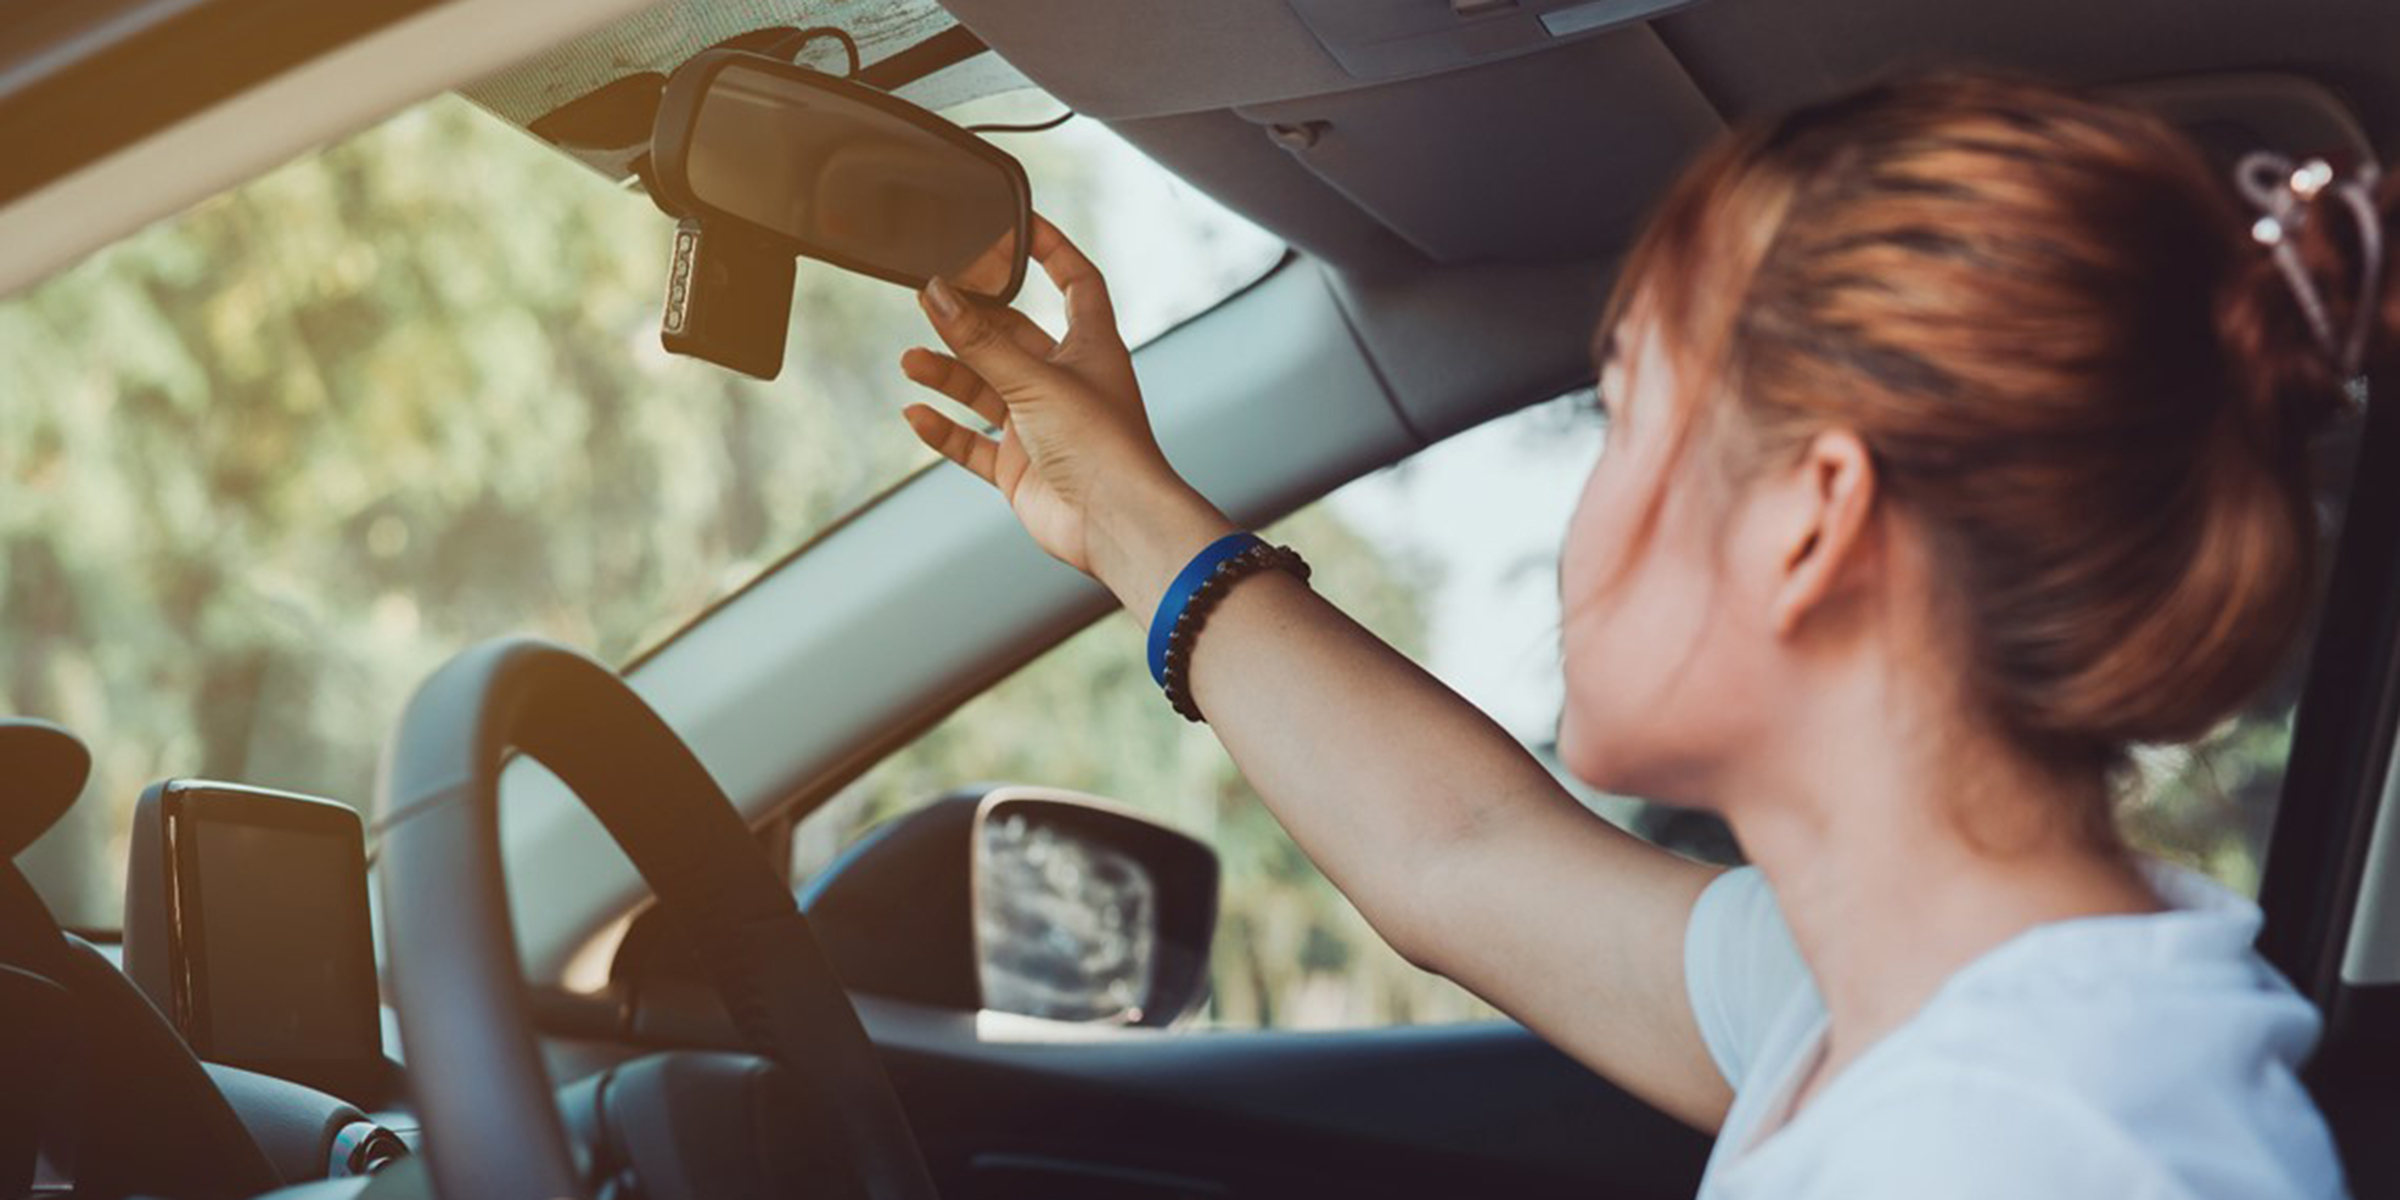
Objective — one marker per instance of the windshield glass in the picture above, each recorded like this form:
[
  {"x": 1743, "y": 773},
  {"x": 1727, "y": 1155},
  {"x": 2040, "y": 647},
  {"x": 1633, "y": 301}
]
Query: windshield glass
[{"x": 272, "y": 460}]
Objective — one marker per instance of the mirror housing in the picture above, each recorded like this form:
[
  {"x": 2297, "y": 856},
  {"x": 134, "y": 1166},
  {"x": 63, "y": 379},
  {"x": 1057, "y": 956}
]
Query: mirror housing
[
  {"x": 765, "y": 160},
  {"x": 1028, "y": 900}
]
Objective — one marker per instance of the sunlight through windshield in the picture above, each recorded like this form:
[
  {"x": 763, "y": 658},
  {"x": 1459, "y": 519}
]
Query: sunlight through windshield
[{"x": 274, "y": 459}]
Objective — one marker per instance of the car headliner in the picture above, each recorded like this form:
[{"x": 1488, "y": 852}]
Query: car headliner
[
  {"x": 1549, "y": 147},
  {"x": 651, "y": 43}
]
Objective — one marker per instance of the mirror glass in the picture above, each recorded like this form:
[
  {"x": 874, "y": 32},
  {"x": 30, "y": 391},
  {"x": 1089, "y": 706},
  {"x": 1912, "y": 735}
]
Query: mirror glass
[
  {"x": 1065, "y": 927},
  {"x": 858, "y": 184}
]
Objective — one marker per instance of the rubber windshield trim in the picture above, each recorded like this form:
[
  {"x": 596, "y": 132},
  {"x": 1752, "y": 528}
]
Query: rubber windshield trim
[{"x": 102, "y": 77}]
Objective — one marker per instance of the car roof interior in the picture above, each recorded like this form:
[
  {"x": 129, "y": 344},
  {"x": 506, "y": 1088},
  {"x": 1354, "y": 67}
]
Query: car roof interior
[
  {"x": 1549, "y": 124},
  {"x": 1392, "y": 139}
]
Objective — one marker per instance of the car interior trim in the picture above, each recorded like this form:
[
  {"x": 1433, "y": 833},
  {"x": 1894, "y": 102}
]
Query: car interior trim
[
  {"x": 251, "y": 131},
  {"x": 2342, "y": 735}
]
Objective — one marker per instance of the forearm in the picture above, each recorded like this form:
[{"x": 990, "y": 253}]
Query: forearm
[
  {"x": 1387, "y": 778},
  {"x": 1455, "y": 843},
  {"x": 1375, "y": 767},
  {"x": 1461, "y": 848}
]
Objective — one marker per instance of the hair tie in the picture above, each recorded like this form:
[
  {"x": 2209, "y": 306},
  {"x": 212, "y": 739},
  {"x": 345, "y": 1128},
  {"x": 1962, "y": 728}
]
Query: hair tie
[{"x": 2282, "y": 193}]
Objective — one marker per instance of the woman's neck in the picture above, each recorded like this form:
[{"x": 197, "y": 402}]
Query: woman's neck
[{"x": 1897, "y": 870}]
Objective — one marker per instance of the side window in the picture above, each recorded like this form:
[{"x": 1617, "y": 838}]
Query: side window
[{"x": 1450, "y": 556}]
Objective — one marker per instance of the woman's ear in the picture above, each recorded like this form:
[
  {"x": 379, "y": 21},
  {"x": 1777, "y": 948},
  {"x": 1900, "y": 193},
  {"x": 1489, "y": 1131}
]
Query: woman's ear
[{"x": 1831, "y": 491}]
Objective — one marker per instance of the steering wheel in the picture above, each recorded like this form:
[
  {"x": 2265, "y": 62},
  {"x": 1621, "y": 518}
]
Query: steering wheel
[{"x": 492, "y": 1127}]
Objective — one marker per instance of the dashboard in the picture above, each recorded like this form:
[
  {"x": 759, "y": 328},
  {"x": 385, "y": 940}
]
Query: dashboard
[{"x": 247, "y": 998}]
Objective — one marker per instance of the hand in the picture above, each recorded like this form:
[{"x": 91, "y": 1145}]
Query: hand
[{"x": 1075, "y": 457}]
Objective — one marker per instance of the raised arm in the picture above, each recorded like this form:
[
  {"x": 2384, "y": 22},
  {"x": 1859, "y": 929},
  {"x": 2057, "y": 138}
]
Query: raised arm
[{"x": 1453, "y": 841}]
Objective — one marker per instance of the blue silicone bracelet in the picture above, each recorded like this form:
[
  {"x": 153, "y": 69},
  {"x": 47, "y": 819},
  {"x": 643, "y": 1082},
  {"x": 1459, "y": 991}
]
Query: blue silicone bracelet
[{"x": 1179, "y": 593}]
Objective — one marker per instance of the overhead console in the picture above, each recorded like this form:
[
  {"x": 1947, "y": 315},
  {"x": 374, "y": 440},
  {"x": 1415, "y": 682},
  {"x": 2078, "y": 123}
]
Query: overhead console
[
  {"x": 1127, "y": 59},
  {"x": 1440, "y": 132},
  {"x": 1385, "y": 135},
  {"x": 1471, "y": 169}
]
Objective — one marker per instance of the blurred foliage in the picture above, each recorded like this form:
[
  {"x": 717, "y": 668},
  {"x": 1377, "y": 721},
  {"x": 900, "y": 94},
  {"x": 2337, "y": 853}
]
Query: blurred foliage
[
  {"x": 2211, "y": 806},
  {"x": 271, "y": 460},
  {"x": 1290, "y": 950}
]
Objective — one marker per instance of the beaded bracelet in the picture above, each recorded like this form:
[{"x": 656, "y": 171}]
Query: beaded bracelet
[{"x": 1174, "y": 668}]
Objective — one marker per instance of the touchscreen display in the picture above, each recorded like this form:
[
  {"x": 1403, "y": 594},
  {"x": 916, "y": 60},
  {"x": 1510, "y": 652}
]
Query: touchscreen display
[{"x": 286, "y": 973}]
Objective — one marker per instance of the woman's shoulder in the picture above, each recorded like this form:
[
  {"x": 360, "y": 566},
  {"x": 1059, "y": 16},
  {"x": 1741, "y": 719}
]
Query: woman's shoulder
[
  {"x": 2137, "y": 1055},
  {"x": 1940, "y": 1130},
  {"x": 2145, "y": 1045},
  {"x": 2129, "y": 1005},
  {"x": 1742, "y": 971},
  {"x": 1939, "y": 1125}
]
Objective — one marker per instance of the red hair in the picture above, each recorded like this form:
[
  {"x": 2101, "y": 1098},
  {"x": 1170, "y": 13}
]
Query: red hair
[{"x": 2075, "y": 373}]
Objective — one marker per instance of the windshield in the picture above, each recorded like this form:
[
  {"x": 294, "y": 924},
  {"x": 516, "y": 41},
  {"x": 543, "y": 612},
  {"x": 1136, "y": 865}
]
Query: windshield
[{"x": 271, "y": 461}]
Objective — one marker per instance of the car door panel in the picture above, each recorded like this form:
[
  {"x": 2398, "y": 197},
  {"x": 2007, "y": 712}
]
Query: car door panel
[{"x": 1008, "y": 1107}]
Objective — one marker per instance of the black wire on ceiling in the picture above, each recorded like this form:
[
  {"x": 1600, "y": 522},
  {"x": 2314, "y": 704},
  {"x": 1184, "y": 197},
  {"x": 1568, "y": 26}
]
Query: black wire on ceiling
[
  {"x": 1036, "y": 127},
  {"x": 938, "y": 51},
  {"x": 948, "y": 48}
]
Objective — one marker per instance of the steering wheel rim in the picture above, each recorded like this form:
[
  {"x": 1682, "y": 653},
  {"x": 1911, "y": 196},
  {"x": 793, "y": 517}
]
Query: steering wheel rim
[{"x": 492, "y": 1126}]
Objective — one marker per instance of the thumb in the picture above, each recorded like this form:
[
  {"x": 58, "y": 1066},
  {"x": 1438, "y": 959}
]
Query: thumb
[{"x": 987, "y": 341}]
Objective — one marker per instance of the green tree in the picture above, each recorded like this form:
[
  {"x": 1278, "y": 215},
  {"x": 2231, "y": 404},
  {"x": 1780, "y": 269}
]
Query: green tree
[
  {"x": 272, "y": 460},
  {"x": 1291, "y": 950}
]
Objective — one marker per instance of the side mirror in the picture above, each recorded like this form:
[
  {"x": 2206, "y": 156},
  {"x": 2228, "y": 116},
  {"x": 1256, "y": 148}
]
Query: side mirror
[
  {"x": 766, "y": 160},
  {"x": 1023, "y": 900}
]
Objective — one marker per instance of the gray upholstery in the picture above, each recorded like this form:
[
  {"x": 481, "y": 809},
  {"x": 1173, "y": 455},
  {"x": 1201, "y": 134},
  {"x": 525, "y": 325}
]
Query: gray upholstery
[{"x": 1511, "y": 154}]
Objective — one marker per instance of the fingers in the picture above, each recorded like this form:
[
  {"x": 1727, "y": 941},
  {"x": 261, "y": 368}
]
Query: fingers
[
  {"x": 952, "y": 378},
  {"x": 954, "y": 441},
  {"x": 1022, "y": 330},
  {"x": 990, "y": 340},
  {"x": 1088, "y": 310},
  {"x": 989, "y": 272}
]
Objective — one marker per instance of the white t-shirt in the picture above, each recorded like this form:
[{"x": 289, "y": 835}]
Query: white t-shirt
[{"x": 2126, "y": 1057}]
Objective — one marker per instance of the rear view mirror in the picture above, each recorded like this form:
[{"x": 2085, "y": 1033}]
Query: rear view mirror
[{"x": 766, "y": 160}]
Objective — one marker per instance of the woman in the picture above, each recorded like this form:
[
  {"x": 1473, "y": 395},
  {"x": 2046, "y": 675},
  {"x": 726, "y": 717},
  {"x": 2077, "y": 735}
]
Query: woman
[{"x": 1957, "y": 441}]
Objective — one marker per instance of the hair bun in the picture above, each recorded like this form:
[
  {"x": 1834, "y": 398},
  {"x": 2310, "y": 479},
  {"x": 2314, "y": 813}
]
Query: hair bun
[
  {"x": 2314, "y": 312},
  {"x": 2079, "y": 371}
]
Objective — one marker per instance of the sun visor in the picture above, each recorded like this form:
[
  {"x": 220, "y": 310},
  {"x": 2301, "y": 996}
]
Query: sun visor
[
  {"x": 593, "y": 96},
  {"x": 1123, "y": 59},
  {"x": 1382, "y": 39},
  {"x": 1534, "y": 158}
]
